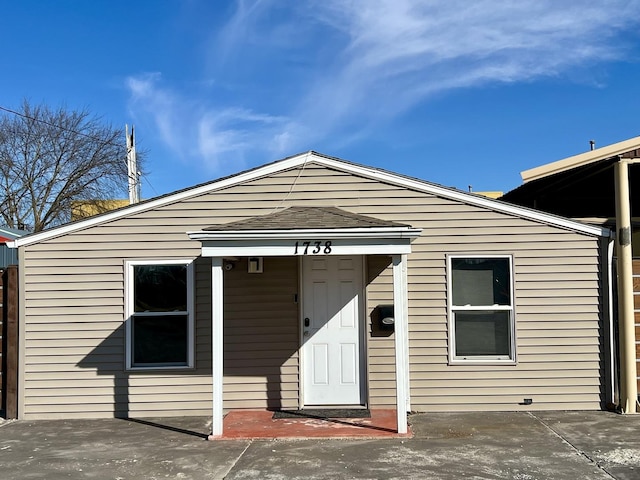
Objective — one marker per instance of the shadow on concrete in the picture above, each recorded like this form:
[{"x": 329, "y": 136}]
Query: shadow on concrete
[
  {"x": 246, "y": 320},
  {"x": 168, "y": 427}
]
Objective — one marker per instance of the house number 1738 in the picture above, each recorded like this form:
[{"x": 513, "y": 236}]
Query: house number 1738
[{"x": 313, "y": 248}]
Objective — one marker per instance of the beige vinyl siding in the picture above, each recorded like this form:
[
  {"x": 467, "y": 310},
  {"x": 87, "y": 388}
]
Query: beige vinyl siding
[
  {"x": 74, "y": 307},
  {"x": 380, "y": 343},
  {"x": 558, "y": 321},
  {"x": 261, "y": 335}
]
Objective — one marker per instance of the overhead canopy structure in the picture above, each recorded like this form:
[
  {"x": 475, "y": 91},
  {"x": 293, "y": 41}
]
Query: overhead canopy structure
[
  {"x": 595, "y": 187},
  {"x": 581, "y": 186}
]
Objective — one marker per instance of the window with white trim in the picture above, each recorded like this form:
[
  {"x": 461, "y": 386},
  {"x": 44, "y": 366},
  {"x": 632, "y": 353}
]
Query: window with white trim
[
  {"x": 159, "y": 314},
  {"x": 481, "y": 314}
]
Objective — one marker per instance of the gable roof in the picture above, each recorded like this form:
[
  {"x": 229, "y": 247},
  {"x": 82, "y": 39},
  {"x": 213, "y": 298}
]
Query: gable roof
[
  {"x": 301, "y": 160},
  {"x": 628, "y": 148}
]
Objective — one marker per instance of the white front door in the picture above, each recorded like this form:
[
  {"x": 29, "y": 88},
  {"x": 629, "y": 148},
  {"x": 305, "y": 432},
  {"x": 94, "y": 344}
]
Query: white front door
[{"x": 332, "y": 339}]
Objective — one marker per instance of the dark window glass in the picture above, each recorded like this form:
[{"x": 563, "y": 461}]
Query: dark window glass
[
  {"x": 160, "y": 340},
  {"x": 483, "y": 333},
  {"x": 481, "y": 281},
  {"x": 160, "y": 288},
  {"x": 160, "y": 320}
]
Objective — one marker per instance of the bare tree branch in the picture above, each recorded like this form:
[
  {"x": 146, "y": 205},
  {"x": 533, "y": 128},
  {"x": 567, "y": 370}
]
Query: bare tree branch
[{"x": 51, "y": 158}]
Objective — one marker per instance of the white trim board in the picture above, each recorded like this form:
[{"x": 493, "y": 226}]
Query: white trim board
[
  {"x": 269, "y": 248},
  {"x": 308, "y": 234},
  {"x": 307, "y": 242},
  {"x": 319, "y": 159}
]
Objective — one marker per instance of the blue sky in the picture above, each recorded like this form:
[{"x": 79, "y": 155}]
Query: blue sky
[{"x": 455, "y": 92}]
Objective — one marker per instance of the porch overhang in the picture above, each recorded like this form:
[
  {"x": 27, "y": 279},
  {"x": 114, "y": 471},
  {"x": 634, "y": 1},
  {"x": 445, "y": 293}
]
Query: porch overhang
[
  {"x": 309, "y": 241},
  {"x": 330, "y": 231}
]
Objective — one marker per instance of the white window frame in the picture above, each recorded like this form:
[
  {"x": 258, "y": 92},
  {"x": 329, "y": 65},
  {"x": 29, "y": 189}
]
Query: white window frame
[
  {"x": 510, "y": 359},
  {"x": 130, "y": 306}
]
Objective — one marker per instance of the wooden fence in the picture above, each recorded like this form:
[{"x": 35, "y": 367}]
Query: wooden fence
[
  {"x": 636, "y": 308},
  {"x": 9, "y": 343}
]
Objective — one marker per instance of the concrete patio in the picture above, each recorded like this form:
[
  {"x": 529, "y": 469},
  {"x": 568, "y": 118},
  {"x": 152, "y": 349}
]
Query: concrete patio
[{"x": 519, "y": 446}]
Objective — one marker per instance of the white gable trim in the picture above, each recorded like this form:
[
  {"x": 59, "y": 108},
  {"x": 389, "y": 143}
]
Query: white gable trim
[
  {"x": 171, "y": 198},
  {"x": 464, "y": 197},
  {"x": 303, "y": 159}
]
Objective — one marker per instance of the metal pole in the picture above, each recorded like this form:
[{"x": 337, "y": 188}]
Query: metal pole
[
  {"x": 132, "y": 166},
  {"x": 628, "y": 367}
]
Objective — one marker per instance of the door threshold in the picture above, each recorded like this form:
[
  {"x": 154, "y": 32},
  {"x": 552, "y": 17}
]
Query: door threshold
[{"x": 333, "y": 412}]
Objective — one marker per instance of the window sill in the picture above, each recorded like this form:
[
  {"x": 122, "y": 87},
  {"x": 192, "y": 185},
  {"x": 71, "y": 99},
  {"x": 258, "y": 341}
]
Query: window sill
[
  {"x": 160, "y": 368},
  {"x": 483, "y": 361}
]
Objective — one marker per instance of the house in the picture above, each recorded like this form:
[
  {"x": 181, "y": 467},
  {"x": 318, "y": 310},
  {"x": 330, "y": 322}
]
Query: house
[
  {"x": 87, "y": 208},
  {"x": 313, "y": 281},
  {"x": 582, "y": 186},
  {"x": 595, "y": 187},
  {"x": 8, "y": 256}
]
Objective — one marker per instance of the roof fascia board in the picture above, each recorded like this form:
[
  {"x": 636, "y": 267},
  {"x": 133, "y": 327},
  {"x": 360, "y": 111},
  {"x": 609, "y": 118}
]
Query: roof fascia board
[
  {"x": 458, "y": 195},
  {"x": 312, "y": 233},
  {"x": 303, "y": 159},
  {"x": 283, "y": 247},
  {"x": 581, "y": 159}
]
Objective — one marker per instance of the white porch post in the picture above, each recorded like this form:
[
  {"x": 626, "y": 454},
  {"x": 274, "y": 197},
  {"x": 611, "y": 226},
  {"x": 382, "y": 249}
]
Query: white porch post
[
  {"x": 217, "y": 343},
  {"x": 401, "y": 322},
  {"x": 405, "y": 304}
]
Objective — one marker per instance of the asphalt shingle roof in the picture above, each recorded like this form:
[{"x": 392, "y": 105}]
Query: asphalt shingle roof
[{"x": 306, "y": 217}]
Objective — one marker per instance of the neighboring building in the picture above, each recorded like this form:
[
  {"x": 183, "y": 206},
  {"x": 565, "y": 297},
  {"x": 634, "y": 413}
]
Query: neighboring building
[
  {"x": 88, "y": 208},
  {"x": 271, "y": 288},
  {"x": 494, "y": 194},
  {"x": 9, "y": 256},
  {"x": 582, "y": 187},
  {"x": 596, "y": 187}
]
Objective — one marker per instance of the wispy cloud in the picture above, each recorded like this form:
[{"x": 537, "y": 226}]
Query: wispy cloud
[
  {"x": 313, "y": 70},
  {"x": 233, "y": 130},
  {"x": 397, "y": 54},
  {"x": 218, "y": 137},
  {"x": 147, "y": 97}
]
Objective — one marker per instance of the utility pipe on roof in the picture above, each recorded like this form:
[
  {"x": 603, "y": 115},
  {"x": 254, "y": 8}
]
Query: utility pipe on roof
[{"x": 628, "y": 367}]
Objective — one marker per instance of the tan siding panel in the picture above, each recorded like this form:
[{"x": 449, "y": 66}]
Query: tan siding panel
[
  {"x": 528, "y": 369},
  {"x": 254, "y": 305},
  {"x": 558, "y": 283}
]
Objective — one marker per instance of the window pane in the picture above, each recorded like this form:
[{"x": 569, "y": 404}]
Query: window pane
[
  {"x": 483, "y": 333},
  {"x": 160, "y": 339},
  {"x": 160, "y": 288},
  {"x": 480, "y": 281}
]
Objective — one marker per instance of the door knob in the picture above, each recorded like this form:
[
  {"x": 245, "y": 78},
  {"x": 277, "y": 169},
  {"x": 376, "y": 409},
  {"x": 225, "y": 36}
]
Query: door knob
[{"x": 307, "y": 322}]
